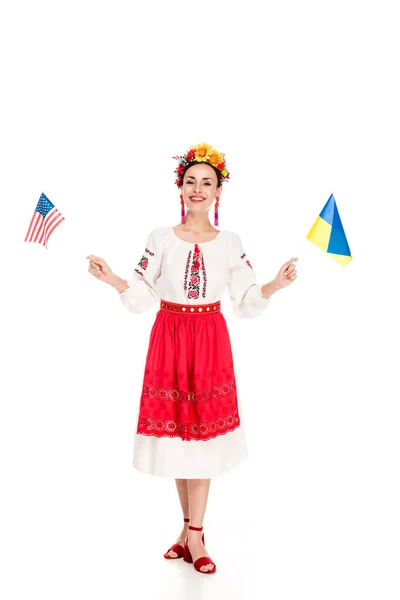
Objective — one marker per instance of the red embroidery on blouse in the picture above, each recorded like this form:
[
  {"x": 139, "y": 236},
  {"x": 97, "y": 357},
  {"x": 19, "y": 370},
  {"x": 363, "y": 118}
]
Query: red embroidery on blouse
[
  {"x": 247, "y": 261},
  {"x": 204, "y": 276},
  {"x": 189, "y": 415},
  {"x": 143, "y": 262},
  {"x": 194, "y": 277},
  {"x": 187, "y": 270}
]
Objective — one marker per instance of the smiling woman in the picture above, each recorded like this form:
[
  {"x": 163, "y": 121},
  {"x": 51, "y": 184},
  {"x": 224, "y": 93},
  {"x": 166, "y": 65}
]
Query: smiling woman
[
  {"x": 214, "y": 171},
  {"x": 189, "y": 424},
  {"x": 200, "y": 185}
]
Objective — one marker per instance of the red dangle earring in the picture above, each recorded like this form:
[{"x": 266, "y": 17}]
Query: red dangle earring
[
  {"x": 183, "y": 217},
  {"x": 216, "y": 211}
]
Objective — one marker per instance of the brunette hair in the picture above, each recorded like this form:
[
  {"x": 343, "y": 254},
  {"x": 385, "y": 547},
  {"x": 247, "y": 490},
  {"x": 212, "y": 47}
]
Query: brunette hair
[{"x": 196, "y": 162}]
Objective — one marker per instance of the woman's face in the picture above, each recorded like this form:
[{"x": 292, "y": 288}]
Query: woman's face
[{"x": 200, "y": 187}]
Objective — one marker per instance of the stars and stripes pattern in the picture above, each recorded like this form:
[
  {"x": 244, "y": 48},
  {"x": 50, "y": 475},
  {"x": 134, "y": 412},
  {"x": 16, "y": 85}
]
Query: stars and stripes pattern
[{"x": 44, "y": 221}]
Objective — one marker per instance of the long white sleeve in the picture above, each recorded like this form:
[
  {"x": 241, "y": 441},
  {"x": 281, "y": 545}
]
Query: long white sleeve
[
  {"x": 244, "y": 292},
  {"x": 141, "y": 293}
]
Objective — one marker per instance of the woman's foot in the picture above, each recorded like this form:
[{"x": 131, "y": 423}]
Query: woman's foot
[
  {"x": 180, "y": 540},
  {"x": 197, "y": 549}
]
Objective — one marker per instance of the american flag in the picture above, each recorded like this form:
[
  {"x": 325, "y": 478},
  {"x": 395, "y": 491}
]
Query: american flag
[{"x": 44, "y": 221}]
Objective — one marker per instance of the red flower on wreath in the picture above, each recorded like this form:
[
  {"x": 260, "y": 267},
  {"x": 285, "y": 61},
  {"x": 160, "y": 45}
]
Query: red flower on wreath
[{"x": 190, "y": 155}]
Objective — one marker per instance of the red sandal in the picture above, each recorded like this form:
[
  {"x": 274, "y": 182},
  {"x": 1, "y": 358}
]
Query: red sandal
[
  {"x": 200, "y": 562},
  {"x": 177, "y": 548}
]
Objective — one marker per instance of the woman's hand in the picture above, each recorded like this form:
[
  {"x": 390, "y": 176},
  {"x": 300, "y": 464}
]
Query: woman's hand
[
  {"x": 100, "y": 269},
  {"x": 286, "y": 274}
]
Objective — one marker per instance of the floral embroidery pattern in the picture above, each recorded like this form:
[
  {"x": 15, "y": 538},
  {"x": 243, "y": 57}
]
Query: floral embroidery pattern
[
  {"x": 176, "y": 395},
  {"x": 144, "y": 261},
  {"x": 194, "y": 278},
  {"x": 188, "y": 431},
  {"x": 204, "y": 276},
  {"x": 187, "y": 270}
]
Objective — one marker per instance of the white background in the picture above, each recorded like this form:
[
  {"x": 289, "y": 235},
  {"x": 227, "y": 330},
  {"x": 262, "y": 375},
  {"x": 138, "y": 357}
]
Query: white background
[{"x": 303, "y": 99}]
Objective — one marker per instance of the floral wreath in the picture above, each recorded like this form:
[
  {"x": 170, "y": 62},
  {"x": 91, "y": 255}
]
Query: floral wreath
[{"x": 201, "y": 153}]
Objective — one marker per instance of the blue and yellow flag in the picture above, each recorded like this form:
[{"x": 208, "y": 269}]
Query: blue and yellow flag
[{"x": 328, "y": 234}]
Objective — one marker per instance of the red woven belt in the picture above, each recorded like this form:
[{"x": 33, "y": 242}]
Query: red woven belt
[{"x": 190, "y": 309}]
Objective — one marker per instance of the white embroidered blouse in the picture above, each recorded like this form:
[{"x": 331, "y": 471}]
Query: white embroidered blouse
[{"x": 184, "y": 272}]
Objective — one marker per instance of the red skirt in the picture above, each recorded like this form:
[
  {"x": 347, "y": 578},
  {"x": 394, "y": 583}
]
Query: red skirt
[{"x": 189, "y": 388}]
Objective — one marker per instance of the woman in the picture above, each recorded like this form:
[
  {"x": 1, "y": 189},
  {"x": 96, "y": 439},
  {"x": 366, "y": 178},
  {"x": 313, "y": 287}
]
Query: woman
[{"x": 189, "y": 420}]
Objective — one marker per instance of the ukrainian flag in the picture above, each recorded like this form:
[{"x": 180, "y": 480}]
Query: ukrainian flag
[{"x": 328, "y": 234}]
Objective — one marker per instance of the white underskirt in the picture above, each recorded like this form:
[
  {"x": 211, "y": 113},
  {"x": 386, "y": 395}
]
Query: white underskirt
[{"x": 194, "y": 459}]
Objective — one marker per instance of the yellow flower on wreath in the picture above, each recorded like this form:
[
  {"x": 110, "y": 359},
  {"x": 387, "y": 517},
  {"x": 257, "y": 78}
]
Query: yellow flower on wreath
[
  {"x": 216, "y": 158},
  {"x": 202, "y": 152}
]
